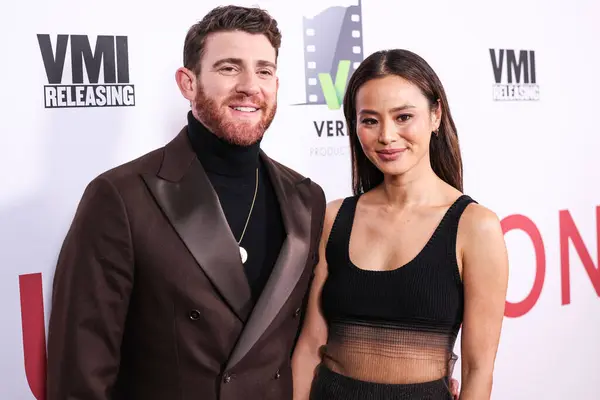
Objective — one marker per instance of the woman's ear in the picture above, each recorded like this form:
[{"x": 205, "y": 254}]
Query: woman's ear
[{"x": 436, "y": 116}]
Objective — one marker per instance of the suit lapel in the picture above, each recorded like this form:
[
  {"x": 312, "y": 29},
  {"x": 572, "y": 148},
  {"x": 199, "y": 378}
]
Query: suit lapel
[
  {"x": 295, "y": 205},
  {"x": 184, "y": 193}
]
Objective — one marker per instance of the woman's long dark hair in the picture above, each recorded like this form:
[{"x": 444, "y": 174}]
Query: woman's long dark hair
[{"x": 444, "y": 151}]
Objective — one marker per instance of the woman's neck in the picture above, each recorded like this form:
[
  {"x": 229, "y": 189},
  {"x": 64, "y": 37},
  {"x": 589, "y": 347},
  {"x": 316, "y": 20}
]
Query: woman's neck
[{"x": 417, "y": 186}]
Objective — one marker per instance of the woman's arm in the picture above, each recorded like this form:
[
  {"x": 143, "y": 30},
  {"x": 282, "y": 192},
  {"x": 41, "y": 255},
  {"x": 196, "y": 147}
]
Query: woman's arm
[
  {"x": 485, "y": 278},
  {"x": 313, "y": 334}
]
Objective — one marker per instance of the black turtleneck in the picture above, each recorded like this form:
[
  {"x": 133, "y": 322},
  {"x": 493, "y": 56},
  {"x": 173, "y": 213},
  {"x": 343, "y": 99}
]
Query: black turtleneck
[{"x": 232, "y": 172}]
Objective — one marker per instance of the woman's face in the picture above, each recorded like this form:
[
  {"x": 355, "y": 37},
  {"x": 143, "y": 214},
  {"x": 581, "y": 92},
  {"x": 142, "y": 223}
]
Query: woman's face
[{"x": 394, "y": 124}]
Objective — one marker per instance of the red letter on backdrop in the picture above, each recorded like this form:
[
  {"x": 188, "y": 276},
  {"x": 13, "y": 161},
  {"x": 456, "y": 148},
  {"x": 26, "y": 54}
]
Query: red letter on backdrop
[
  {"x": 523, "y": 223},
  {"x": 34, "y": 333},
  {"x": 568, "y": 230}
]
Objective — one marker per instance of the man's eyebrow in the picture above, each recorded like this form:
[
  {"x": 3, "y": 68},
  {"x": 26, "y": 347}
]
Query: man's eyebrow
[
  {"x": 229, "y": 60},
  {"x": 239, "y": 62}
]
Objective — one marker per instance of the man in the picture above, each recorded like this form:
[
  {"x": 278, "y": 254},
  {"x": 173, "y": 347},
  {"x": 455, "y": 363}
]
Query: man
[{"x": 184, "y": 271}]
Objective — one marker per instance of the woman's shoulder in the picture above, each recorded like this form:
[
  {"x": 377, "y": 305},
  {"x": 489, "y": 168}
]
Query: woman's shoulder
[
  {"x": 475, "y": 215},
  {"x": 478, "y": 214},
  {"x": 479, "y": 223},
  {"x": 333, "y": 208}
]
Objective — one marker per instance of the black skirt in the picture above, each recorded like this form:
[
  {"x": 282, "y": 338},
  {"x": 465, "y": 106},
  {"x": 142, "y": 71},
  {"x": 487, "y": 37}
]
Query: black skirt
[{"x": 329, "y": 385}]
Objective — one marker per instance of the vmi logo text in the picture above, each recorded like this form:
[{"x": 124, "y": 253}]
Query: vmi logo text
[
  {"x": 519, "y": 82},
  {"x": 110, "y": 54}
]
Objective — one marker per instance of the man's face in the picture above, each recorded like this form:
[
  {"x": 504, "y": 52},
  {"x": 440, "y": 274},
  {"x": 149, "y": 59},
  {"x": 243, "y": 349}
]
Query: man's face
[{"x": 236, "y": 91}]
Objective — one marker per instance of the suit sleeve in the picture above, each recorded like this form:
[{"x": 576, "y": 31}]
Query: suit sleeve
[
  {"x": 321, "y": 203},
  {"x": 91, "y": 289},
  {"x": 319, "y": 207}
]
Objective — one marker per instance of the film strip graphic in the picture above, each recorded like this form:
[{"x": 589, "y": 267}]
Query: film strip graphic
[{"x": 333, "y": 49}]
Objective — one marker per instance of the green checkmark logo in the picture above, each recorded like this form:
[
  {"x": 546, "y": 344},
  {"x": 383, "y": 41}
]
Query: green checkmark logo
[{"x": 334, "y": 92}]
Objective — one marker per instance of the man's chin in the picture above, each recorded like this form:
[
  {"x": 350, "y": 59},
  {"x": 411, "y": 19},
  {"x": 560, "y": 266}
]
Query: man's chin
[{"x": 242, "y": 134}]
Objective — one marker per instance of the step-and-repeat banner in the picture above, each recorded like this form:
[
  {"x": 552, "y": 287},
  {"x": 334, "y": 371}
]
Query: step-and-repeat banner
[{"x": 521, "y": 80}]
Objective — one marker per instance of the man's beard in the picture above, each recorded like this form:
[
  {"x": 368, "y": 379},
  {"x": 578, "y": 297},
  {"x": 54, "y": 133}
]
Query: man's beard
[{"x": 235, "y": 132}]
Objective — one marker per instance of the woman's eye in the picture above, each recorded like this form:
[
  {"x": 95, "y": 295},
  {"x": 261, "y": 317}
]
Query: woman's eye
[{"x": 369, "y": 121}]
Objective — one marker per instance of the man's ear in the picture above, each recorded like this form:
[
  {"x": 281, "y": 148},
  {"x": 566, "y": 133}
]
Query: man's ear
[{"x": 186, "y": 81}]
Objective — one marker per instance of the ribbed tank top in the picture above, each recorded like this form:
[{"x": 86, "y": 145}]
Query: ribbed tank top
[{"x": 397, "y": 326}]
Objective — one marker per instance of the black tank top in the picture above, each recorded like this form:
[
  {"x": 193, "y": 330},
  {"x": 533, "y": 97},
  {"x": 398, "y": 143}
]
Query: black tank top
[{"x": 395, "y": 326}]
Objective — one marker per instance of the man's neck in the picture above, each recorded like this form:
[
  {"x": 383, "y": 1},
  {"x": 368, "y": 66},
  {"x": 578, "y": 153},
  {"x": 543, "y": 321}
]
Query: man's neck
[{"x": 218, "y": 156}]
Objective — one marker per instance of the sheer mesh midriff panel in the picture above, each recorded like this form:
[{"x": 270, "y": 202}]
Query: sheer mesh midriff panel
[{"x": 391, "y": 354}]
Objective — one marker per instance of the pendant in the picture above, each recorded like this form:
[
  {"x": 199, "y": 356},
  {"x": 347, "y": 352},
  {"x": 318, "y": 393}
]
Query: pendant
[{"x": 243, "y": 254}]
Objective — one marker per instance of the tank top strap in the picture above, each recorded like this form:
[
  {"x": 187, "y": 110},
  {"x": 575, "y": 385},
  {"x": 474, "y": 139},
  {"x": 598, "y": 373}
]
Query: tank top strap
[
  {"x": 448, "y": 228},
  {"x": 454, "y": 213},
  {"x": 339, "y": 237}
]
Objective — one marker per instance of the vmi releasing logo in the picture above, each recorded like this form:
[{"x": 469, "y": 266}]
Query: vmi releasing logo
[
  {"x": 519, "y": 81},
  {"x": 110, "y": 54},
  {"x": 333, "y": 46}
]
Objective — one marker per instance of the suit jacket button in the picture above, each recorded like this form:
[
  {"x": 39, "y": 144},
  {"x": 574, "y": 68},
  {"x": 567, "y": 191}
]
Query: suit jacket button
[
  {"x": 226, "y": 378},
  {"x": 277, "y": 375},
  {"x": 194, "y": 315}
]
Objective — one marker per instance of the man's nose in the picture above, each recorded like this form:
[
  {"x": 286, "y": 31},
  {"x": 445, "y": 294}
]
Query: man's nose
[{"x": 248, "y": 83}]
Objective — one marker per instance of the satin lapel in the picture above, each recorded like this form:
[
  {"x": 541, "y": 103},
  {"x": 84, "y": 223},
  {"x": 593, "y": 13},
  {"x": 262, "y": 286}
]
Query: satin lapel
[
  {"x": 193, "y": 208},
  {"x": 295, "y": 205}
]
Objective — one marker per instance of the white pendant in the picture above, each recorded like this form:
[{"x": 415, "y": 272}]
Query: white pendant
[{"x": 243, "y": 254}]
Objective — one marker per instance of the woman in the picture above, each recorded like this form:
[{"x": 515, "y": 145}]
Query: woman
[{"x": 407, "y": 260}]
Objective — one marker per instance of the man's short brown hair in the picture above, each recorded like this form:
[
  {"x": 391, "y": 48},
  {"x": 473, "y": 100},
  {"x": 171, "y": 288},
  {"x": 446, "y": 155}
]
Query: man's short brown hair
[{"x": 228, "y": 18}]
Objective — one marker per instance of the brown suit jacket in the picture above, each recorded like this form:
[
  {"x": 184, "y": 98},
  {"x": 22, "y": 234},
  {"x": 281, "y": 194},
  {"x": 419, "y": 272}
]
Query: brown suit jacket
[{"x": 150, "y": 300}]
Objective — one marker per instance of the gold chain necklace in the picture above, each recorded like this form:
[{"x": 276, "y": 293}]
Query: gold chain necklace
[{"x": 243, "y": 252}]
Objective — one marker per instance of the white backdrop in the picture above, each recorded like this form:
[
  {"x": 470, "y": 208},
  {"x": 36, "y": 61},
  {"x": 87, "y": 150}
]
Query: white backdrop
[{"x": 533, "y": 158}]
